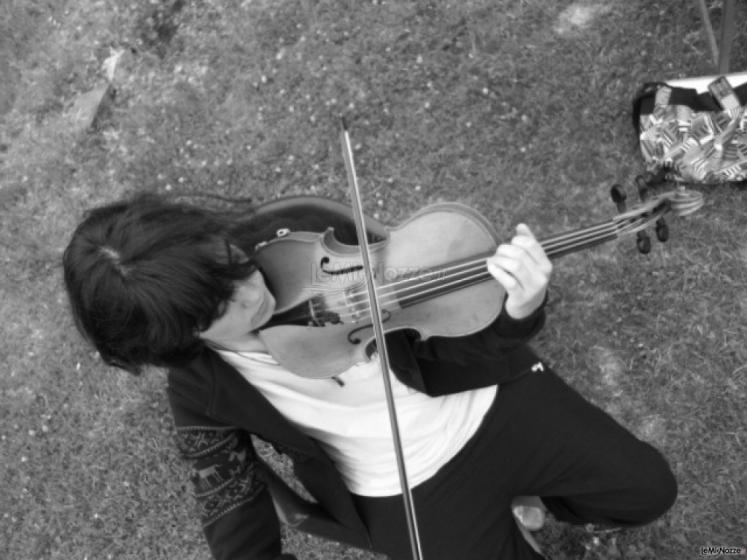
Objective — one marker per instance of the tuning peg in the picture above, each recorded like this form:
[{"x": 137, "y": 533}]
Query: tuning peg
[
  {"x": 643, "y": 187},
  {"x": 643, "y": 242},
  {"x": 617, "y": 193},
  {"x": 662, "y": 230}
]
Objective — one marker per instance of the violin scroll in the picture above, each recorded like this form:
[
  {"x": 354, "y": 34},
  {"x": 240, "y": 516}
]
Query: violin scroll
[{"x": 651, "y": 209}]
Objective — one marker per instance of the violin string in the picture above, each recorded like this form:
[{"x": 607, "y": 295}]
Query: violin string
[
  {"x": 555, "y": 245},
  {"x": 472, "y": 271},
  {"x": 469, "y": 272},
  {"x": 622, "y": 224},
  {"x": 459, "y": 274},
  {"x": 403, "y": 296},
  {"x": 390, "y": 295},
  {"x": 554, "y": 251},
  {"x": 566, "y": 242},
  {"x": 433, "y": 277},
  {"x": 572, "y": 236},
  {"x": 477, "y": 272},
  {"x": 582, "y": 238},
  {"x": 478, "y": 276},
  {"x": 638, "y": 223}
]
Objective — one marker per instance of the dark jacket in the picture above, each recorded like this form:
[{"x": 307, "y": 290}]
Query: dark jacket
[{"x": 216, "y": 411}]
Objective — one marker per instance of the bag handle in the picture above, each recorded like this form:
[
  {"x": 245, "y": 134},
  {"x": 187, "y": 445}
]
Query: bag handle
[{"x": 644, "y": 99}]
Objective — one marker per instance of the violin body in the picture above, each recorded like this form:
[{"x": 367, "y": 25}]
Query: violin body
[
  {"x": 321, "y": 326},
  {"x": 429, "y": 276}
]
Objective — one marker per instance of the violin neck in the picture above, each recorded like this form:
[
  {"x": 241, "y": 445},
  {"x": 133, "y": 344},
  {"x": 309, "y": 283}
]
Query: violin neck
[
  {"x": 460, "y": 274},
  {"x": 579, "y": 239}
]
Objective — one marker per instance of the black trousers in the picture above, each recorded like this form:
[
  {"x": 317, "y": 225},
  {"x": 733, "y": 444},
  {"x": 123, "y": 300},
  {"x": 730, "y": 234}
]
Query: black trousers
[{"x": 539, "y": 438}]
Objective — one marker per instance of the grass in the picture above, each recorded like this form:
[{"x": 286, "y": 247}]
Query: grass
[{"x": 510, "y": 107}]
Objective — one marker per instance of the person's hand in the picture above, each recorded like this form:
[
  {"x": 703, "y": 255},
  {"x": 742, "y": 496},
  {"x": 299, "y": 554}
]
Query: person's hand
[{"x": 523, "y": 269}]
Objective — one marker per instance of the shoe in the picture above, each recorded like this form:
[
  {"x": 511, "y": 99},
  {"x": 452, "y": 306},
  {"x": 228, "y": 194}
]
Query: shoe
[{"x": 529, "y": 511}]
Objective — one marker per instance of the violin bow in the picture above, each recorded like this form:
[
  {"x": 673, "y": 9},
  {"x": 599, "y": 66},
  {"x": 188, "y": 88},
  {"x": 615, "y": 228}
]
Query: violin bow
[{"x": 360, "y": 228}]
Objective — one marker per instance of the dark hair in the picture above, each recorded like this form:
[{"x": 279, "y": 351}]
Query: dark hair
[{"x": 145, "y": 275}]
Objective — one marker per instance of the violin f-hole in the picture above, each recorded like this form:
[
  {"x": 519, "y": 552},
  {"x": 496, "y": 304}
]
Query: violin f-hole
[
  {"x": 353, "y": 339},
  {"x": 333, "y": 272}
]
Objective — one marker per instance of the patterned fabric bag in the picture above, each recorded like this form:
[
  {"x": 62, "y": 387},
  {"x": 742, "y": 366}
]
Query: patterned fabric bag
[{"x": 694, "y": 130}]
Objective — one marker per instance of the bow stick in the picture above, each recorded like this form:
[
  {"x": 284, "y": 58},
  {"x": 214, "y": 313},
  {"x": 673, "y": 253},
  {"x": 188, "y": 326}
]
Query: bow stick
[{"x": 360, "y": 228}]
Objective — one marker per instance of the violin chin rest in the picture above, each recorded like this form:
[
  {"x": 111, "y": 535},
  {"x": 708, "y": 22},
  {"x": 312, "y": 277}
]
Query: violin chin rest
[{"x": 315, "y": 352}]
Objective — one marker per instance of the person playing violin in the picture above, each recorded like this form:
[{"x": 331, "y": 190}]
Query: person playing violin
[{"x": 483, "y": 419}]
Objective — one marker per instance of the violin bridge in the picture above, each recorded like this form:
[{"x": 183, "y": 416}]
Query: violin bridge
[
  {"x": 356, "y": 304},
  {"x": 320, "y": 314}
]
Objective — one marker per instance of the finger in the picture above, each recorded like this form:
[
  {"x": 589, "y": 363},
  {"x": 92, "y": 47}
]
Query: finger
[
  {"x": 520, "y": 302},
  {"x": 509, "y": 261},
  {"x": 523, "y": 259},
  {"x": 504, "y": 278},
  {"x": 510, "y": 251},
  {"x": 526, "y": 240},
  {"x": 527, "y": 278},
  {"x": 523, "y": 229}
]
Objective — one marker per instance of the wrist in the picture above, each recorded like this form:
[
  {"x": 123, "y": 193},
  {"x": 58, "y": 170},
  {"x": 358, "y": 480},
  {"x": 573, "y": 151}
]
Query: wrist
[{"x": 519, "y": 312}]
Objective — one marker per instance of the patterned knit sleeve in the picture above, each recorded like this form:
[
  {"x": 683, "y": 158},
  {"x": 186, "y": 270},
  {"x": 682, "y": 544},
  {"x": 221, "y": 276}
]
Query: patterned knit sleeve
[
  {"x": 223, "y": 471},
  {"x": 236, "y": 510}
]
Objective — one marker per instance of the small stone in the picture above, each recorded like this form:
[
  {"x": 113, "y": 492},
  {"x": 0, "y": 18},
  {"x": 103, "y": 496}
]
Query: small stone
[{"x": 87, "y": 108}]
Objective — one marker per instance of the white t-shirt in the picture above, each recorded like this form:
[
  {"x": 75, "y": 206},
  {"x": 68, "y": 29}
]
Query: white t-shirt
[{"x": 352, "y": 424}]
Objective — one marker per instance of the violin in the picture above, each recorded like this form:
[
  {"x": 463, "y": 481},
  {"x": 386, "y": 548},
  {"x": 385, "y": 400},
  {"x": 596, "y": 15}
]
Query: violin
[
  {"x": 333, "y": 300},
  {"x": 430, "y": 276}
]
